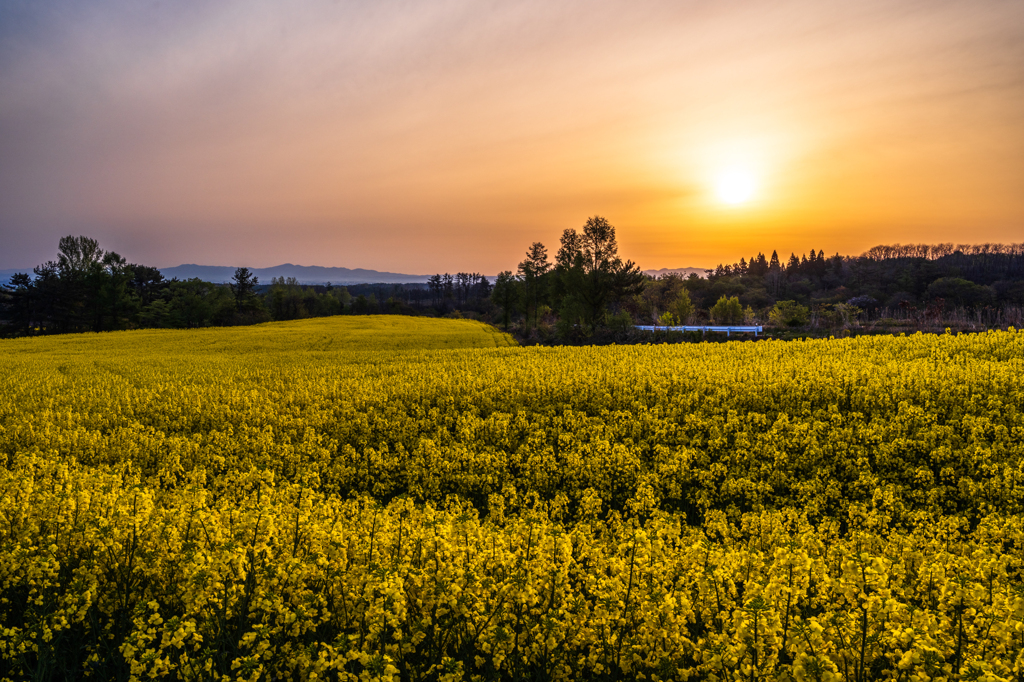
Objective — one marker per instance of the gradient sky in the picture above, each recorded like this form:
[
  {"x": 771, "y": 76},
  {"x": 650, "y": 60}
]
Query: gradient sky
[{"x": 447, "y": 135}]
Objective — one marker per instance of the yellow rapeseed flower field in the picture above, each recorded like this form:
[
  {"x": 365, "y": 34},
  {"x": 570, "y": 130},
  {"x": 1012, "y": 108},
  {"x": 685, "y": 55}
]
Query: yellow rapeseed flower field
[{"x": 387, "y": 498}]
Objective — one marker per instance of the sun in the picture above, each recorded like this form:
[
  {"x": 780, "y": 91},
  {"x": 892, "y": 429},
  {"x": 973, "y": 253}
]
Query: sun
[{"x": 735, "y": 186}]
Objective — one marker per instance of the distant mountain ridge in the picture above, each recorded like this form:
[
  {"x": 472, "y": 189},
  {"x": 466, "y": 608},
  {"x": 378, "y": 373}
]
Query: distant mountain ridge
[
  {"x": 315, "y": 274},
  {"x": 685, "y": 272},
  {"x": 304, "y": 274}
]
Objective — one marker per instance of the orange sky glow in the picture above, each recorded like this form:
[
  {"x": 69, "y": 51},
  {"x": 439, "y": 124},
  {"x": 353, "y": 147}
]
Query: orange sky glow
[{"x": 424, "y": 137}]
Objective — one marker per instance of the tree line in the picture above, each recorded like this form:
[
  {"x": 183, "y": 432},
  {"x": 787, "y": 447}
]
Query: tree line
[
  {"x": 586, "y": 291},
  {"x": 89, "y": 289},
  {"x": 589, "y": 292},
  {"x": 882, "y": 281}
]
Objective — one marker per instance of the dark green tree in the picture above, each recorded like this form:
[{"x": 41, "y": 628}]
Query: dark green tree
[
  {"x": 249, "y": 307},
  {"x": 287, "y": 300},
  {"x": 74, "y": 295},
  {"x": 436, "y": 286},
  {"x": 243, "y": 286},
  {"x": 448, "y": 289},
  {"x": 789, "y": 313},
  {"x": 793, "y": 266},
  {"x": 504, "y": 295},
  {"x": 532, "y": 272},
  {"x": 962, "y": 292},
  {"x": 116, "y": 303},
  {"x": 590, "y": 273},
  {"x": 195, "y": 303},
  {"x": 85, "y": 289},
  {"x": 147, "y": 282},
  {"x": 17, "y": 306},
  {"x": 727, "y": 310}
]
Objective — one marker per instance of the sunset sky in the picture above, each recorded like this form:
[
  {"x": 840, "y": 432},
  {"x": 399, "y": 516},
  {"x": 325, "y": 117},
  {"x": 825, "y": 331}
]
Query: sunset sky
[{"x": 447, "y": 135}]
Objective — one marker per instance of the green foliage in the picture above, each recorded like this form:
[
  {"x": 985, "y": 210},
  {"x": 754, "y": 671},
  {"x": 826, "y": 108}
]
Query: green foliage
[
  {"x": 505, "y": 294},
  {"x": 571, "y": 325},
  {"x": 959, "y": 291},
  {"x": 88, "y": 289},
  {"x": 665, "y": 294},
  {"x": 243, "y": 286},
  {"x": 789, "y": 314},
  {"x": 365, "y": 305},
  {"x": 727, "y": 310},
  {"x": 964, "y": 277},
  {"x": 289, "y": 300},
  {"x": 620, "y": 322},
  {"x": 682, "y": 306},
  {"x": 590, "y": 274},
  {"x": 532, "y": 275},
  {"x": 286, "y": 299},
  {"x": 838, "y": 315}
]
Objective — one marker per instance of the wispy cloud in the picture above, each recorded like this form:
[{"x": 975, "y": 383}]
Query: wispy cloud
[{"x": 440, "y": 135}]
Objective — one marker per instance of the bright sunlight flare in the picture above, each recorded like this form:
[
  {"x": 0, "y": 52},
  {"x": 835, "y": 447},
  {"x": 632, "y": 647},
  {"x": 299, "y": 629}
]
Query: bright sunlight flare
[{"x": 735, "y": 186}]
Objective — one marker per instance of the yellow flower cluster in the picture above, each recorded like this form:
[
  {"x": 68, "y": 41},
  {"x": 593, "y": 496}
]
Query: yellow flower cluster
[
  {"x": 334, "y": 499},
  {"x": 259, "y": 579}
]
